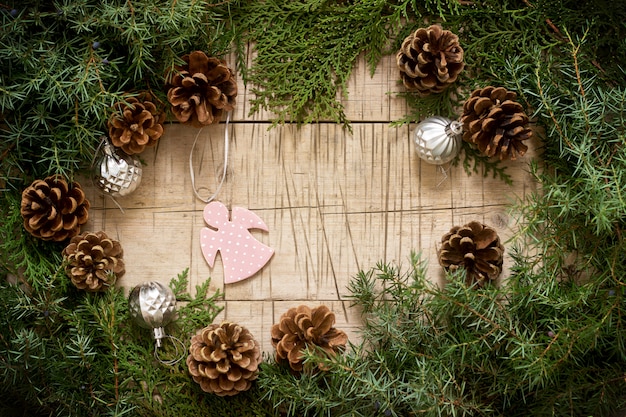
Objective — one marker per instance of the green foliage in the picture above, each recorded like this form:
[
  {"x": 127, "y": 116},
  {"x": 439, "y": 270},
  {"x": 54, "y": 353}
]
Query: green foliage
[
  {"x": 533, "y": 347},
  {"x": 66, "y": 62},
  {"x": 71, "y": 353},
  {"x": 499, "y": 35},
  {"x": 549, "y": 342},
  {"x": 305, "y": 50},
  {"x": 20, "y": 251}
]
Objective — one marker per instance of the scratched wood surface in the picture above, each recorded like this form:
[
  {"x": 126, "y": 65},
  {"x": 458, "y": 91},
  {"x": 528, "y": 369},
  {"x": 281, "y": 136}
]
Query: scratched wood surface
[{"x": 335, "y": 203}]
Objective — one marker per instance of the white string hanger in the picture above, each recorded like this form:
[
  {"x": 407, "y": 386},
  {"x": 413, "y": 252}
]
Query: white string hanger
[{"x": 192, "y": 172}]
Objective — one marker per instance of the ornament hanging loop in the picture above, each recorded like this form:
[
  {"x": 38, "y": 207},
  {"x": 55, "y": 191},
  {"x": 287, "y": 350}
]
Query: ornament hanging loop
[
  {"x": 179, "y": 348},
  {"x": 224, "y": 171}
]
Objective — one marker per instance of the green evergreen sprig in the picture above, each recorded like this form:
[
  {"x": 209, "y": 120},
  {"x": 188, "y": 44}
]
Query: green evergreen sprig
[
  {"x": 67, "y": 62},
  {"x": 532, "y": 347},
  {"x": 549, "y": 342},
  {"x": 20, "y": 253},
  {"x": 66, "y": 352},
  {"x": 305, "y": 51}
]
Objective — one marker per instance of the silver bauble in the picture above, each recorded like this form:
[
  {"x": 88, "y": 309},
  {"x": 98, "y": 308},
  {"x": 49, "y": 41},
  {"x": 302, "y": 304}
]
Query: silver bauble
[
  {"x": 115, "y": 172},
  {"x": 153, "y": 306},
  {"x": 438, "y": 140}
]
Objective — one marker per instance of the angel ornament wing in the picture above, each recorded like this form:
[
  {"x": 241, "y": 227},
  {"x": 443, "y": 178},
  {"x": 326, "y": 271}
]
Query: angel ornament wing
[{"x": 242, "y": 255}]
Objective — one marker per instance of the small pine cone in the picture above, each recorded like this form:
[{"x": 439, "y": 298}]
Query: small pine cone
[
  {"x": 93, "y": 261},
  {"x": 224, "y": 359},
  {"x": 136, "y": 124},
  {"x": 301, "y": 328},
  {"x": 202, "y": 90},
  {"x": 475, "y": 247},
  {"x": 429, "y": 60},
  {"x": 54, "y": 210},
  {"x": 496, "y": 123}
]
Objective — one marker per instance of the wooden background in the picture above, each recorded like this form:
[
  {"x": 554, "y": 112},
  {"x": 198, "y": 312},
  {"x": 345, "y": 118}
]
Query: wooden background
[{"x": 335, "y": 203}]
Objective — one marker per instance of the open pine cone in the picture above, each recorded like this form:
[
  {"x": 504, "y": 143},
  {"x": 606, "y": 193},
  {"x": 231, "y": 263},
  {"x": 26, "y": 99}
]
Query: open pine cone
[
  {"x": 224, "y": 359},
  {"x": 136, "y": 124},
  {"x": 496, "y": 123},
  {"x": 301, "y": 328},
  {"x": 93, "y": 261},
  {"x": 202, "y": 90},
  {"x": 430, "y": 59},
  {"x": 475, "y": 247},
  {"x": 54, "y": 210}
]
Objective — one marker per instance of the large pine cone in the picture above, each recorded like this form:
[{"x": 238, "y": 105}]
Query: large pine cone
[
  {"x": 54, "y": 210},
  {"x": 475, "y": 247},
  {"x": 202, "y": 90},
  {"x": 496, "y": 123},
  {"x": 429, "y": 60},
  {"x": 136, "y": 124},
  {"x": 301, "y": 328},
  {"x": 94, "y": 261},
  {"x": 224, "y": 359}
]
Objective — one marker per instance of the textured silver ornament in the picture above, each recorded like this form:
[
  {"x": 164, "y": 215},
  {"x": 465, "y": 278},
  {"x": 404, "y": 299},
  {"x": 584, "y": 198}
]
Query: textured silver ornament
[
  {"x": 115, "y": 172},
  {"x": 153, "y": 306},
  {"x": 438, "y": 140}
]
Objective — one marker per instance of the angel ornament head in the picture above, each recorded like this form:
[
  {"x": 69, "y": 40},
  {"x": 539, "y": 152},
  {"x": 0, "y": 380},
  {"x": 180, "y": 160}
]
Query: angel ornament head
[{"x": 242, "y": 254}]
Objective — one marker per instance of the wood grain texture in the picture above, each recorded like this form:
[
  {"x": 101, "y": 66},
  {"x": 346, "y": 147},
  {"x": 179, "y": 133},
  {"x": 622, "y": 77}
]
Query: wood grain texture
[{"x": 335, "y": 203}]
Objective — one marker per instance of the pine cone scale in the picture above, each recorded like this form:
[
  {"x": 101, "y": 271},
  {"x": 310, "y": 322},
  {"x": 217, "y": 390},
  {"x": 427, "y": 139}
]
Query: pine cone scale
[
  {"x": 287, "y": 325},
  {"x": 204, "y": 114},
  {"x": 198, "y": 62},
  {"x": 295, "y": 356},
  {"x": 484, "y": 237},
  {"x": 235, "y": 375},
  {"x": 190, "y": 82},
  {"x": 489, "y": 254},
  {"x": 69, "y": 223}
]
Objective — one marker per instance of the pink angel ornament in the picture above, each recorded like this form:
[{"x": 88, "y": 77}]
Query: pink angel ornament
[{"x": 242, "y": 255}]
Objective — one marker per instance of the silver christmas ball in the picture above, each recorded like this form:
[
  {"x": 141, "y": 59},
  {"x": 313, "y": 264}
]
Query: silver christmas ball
[
  {"x": 438, "y": 140},
  {"x": 115, "y": 172},
  {"x": 152, "y": 305}
]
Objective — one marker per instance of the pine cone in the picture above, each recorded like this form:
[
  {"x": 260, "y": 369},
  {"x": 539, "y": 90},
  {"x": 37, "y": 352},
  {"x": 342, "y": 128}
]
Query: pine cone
[
  {"x": 301, "y": 328},
  {"x": 93, "y": 261},
  {"x": 224, "y": 359},
  {"x": 202, "y": 90},
  {"x": 54, "y": 210},
  {"x": 475, "y": 247},
  {"x": 429, "y": 60},
  {"x": 136, "y": 124},
  {"x": 496, "y": 123}
]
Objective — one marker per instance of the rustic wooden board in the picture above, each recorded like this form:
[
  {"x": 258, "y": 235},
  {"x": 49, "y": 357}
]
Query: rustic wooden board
[{"x": 334, "y": 202}]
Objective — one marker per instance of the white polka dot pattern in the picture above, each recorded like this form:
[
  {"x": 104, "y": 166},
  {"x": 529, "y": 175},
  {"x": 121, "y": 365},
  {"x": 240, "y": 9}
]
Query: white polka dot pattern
[{"x": 242, "y": 255}]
